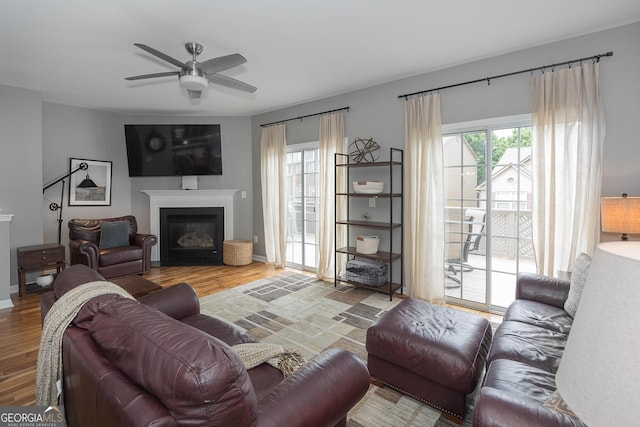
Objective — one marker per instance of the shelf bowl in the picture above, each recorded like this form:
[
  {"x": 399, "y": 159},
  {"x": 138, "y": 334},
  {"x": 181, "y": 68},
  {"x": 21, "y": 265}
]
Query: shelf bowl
[
  {"x": 368, "y": 187},
  {"x": 367, "y": 245},
  {"x": 44, "y": 280}
]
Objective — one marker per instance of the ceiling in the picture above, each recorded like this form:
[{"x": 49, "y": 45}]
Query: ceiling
[{"x": 77, "y": 52}]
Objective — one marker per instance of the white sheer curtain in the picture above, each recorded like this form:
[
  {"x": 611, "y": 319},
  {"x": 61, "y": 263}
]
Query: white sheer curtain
[
  {"x": 273, "y": 152},
  {"x": 331, "y": 142},
  {"x": 568, "y": 131},
  {"x": 424, "y": 199}
]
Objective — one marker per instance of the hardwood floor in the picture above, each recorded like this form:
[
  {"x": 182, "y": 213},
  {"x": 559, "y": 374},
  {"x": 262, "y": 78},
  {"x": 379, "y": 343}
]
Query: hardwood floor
[{"x": 20, "y": 326}]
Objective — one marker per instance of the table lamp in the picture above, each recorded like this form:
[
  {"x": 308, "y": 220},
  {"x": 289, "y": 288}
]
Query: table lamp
[
  {"x": 599, "y": 374},
  {"x": 620, "y": 215}
]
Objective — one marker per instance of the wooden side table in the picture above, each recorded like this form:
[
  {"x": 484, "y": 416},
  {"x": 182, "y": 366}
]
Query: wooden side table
[{"x": 39, "y": 257}]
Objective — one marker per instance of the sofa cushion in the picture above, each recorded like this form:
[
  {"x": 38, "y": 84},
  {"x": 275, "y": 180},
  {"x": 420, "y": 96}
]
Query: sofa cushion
[
  {"x": 196, "y": 376},
  {"x": 578, "y": 280},
  {"x": 114, "y": 234},
  {"x": 120, "y": 255},
  {"x": 529, "y": 344},
  {"x": 520, "y": 379},
  {"x": 539, "y": 314}
]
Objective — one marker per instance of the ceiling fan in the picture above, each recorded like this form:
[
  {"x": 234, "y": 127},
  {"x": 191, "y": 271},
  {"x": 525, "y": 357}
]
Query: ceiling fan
[{"x": 195, "y": 76}]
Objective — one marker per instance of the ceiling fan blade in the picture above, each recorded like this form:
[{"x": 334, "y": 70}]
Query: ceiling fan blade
[
  {"x": 222, "y": 63},
  {"x": 160, "y": 55},
  {"x": 230, "y": 82},
  {"x": 194, "y": 94},
  {"x": 151, "y": 76}
]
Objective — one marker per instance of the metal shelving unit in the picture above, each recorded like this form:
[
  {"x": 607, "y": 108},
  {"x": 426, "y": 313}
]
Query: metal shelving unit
[{"x": 394, "y": 256}]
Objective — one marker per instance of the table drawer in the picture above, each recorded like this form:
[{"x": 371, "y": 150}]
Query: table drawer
[{"x": 41, "y": 257}]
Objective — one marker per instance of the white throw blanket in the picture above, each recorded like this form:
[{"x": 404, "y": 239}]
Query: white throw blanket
[
  {"x": 49, "y": 369},
  {"x": 256, "y": 353}
]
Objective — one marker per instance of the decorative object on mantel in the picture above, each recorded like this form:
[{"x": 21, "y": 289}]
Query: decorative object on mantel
[
  {"x": 620, "y": 215},
  {"x": 364, "y": 150},
  {"x": 58, "y": 207},
  {"x": 95, "y": 188}
]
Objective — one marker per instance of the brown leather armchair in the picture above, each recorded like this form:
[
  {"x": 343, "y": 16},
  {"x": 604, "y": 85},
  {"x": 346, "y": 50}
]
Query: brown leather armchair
[{"x": 88, "y": 245}]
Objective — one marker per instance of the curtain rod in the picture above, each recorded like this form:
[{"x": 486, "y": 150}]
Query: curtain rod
[
  {"x": 304, "y": 117},
  {"x": 513, "y": 73}
]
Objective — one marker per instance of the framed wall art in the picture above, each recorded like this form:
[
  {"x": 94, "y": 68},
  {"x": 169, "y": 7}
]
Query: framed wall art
[{"x": 91, "y": 186}]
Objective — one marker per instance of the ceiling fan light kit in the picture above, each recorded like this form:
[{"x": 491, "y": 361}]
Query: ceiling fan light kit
[
  {"x": 190, "y": 82},
  {"x": 195, "y": 76}
]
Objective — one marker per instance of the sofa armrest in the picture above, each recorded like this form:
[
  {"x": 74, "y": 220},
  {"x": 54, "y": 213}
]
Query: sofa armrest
[
  {"x": 494, "y": 408},
  {"x": 84, "y": 252},
  {"x": 145, "y": 240},
  {"x": 178, "y": 301},
  {"x": 544, "y": 289},
  {"x": 320, "y": 393},
  {"x": 46, "y": 301}
]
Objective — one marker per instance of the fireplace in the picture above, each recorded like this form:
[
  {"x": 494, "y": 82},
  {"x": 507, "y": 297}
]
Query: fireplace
[
  {"x": 191, "y": 235},
  {"x": 159, "y": 199}
]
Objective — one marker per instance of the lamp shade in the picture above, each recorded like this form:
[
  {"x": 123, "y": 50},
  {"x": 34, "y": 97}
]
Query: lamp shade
[
  {"x": 599, "y": 374},
  {"x": 620, "y": 214},
  {"x": 87, "y": 183}
]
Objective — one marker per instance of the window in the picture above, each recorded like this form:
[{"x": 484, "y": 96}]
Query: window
[
  {"x": 303, "y": 200},
  {"x": 487, "y": 210}
]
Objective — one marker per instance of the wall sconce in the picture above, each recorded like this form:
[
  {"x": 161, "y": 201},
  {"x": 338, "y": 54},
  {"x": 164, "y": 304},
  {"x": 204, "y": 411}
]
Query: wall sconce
[{"x": 620, "y": 215}]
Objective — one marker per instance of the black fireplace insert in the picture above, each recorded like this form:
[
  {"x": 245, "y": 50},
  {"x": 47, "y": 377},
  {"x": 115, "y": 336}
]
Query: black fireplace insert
[{"x": 191, "y": 236}]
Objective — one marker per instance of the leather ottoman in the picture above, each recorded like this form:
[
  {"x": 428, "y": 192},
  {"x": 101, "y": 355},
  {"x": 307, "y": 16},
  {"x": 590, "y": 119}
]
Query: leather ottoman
[{"x": 433, "y": 353}]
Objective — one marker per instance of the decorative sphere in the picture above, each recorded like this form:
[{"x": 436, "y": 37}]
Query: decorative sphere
[{"x": 364, "y": 150}]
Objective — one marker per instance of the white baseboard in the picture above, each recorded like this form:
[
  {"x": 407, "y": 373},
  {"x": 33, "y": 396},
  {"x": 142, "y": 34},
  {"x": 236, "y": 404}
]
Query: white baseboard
[
  {"x": 7, "y": 303},
  {"x": 260, "y": 258}
]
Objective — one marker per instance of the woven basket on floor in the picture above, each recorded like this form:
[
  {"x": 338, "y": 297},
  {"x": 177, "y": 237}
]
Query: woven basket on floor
[{"x": 237, "y": 252}]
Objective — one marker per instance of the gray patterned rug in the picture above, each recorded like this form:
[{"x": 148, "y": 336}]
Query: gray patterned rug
[{"x": 302, "y": 312}]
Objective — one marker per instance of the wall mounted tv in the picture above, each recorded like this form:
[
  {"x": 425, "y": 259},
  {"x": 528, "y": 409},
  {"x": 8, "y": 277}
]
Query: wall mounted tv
[{"x": 170, "y": 150}]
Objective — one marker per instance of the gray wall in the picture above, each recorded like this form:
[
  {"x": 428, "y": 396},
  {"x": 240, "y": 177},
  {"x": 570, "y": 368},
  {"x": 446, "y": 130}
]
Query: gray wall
[
  {"x": 21, "y": 166},
  {"x": 377, "y": 113},
  {"x": 70, "y": 132},
  {"x": 236, "y": 171},
  {"x": 33, "y": 130}
]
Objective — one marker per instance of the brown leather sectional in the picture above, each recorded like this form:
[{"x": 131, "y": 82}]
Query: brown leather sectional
[
  {"x": 524, "y": 357},
  {"x": 160, "y": 362}
]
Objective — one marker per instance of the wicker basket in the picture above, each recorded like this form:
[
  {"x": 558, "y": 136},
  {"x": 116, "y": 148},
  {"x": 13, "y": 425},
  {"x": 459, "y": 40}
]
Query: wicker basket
[{"x": 237, "y": 252}]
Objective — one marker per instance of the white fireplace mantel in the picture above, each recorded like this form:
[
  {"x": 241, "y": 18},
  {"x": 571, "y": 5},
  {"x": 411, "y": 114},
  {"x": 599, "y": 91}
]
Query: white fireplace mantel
[{"x": 188, "y": 199}]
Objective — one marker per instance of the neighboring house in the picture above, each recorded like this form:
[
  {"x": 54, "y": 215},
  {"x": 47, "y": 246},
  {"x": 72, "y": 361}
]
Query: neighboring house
[
  {"x": 459, "y": 190},
  {"x": 457, "y": 151},
  {"x": 504, "y": 181},
  {"x": 510, "y": 217}
]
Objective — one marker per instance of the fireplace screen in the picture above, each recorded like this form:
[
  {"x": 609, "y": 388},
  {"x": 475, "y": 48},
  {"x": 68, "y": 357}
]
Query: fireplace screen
[{"x": 191, "y": 236}]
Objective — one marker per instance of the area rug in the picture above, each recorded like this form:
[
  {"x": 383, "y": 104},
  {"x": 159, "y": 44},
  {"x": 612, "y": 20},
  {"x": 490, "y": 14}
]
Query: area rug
[{"x": 300, "y": 311}]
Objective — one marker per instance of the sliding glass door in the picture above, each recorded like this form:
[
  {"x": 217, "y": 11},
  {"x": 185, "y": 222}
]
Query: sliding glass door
[
  {"x": 303, "y": 200},
  {"x": 488, "y": 188}
]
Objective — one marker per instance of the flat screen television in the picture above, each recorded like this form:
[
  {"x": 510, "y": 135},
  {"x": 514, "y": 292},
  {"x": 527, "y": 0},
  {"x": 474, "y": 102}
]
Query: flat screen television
[{"x": 170, "y": 150}]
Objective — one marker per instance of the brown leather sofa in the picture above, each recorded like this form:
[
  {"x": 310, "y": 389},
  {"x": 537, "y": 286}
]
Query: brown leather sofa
[
  {"x": 85, "y": 248},
  {"x": 524, "y": 357},
  {"x": 160, "y": 362}
]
